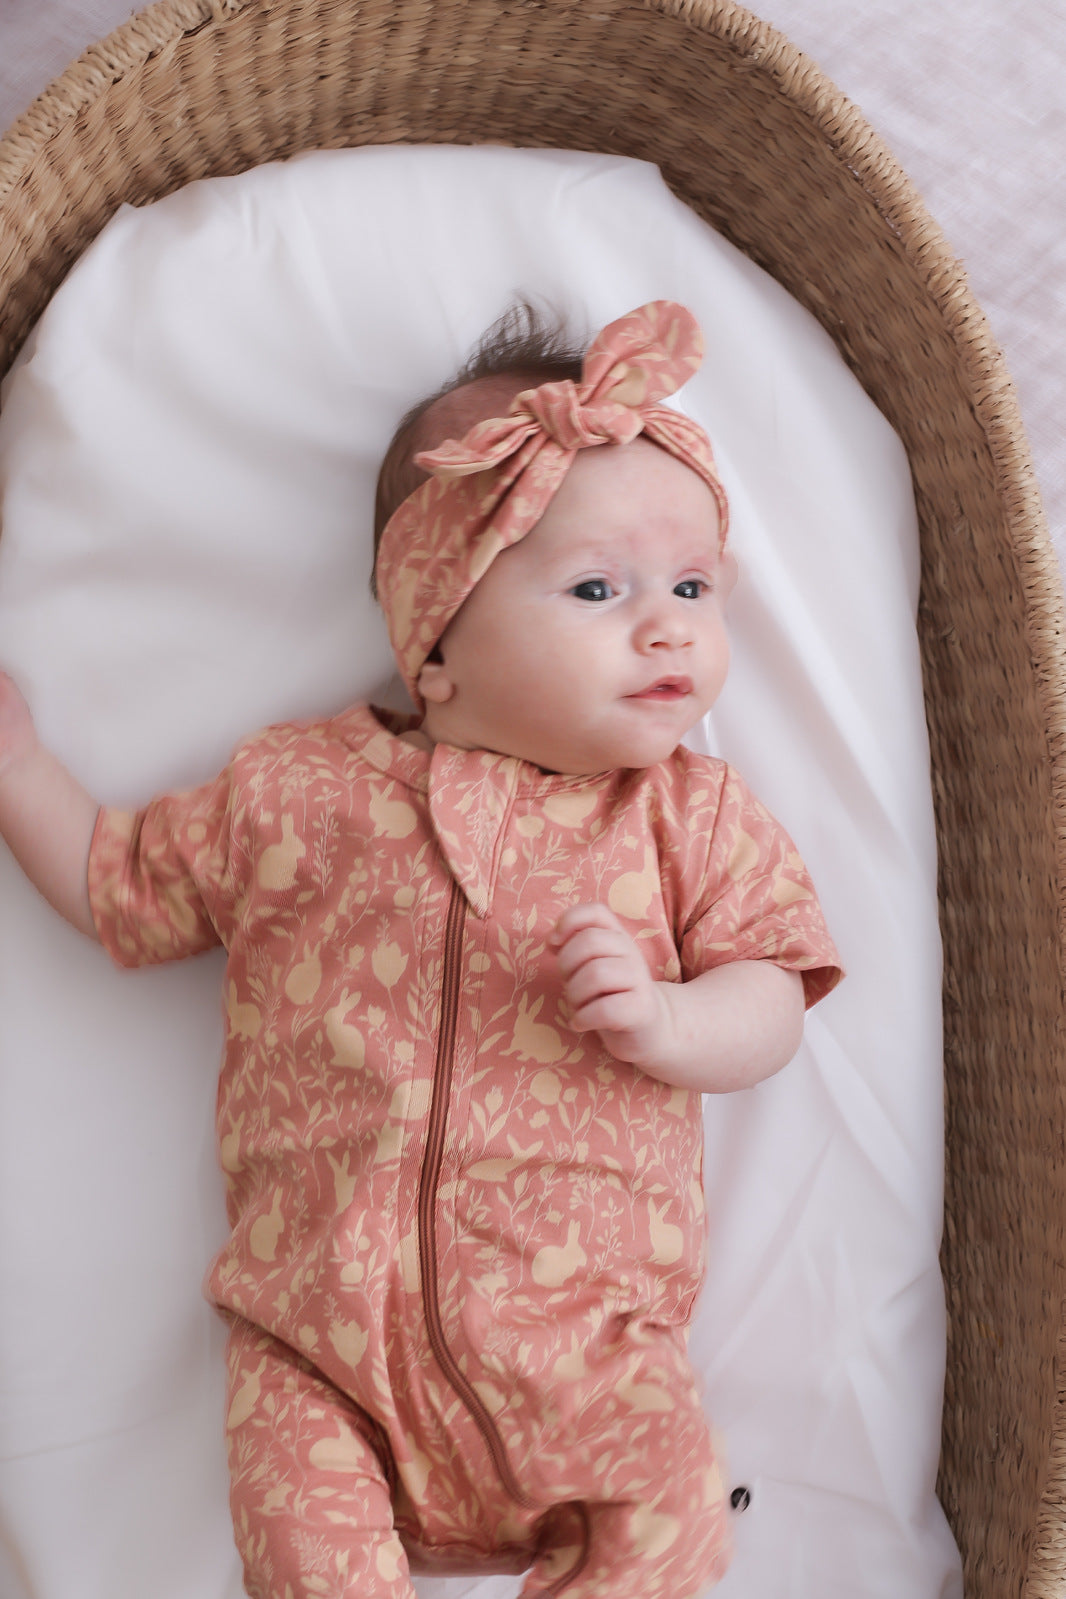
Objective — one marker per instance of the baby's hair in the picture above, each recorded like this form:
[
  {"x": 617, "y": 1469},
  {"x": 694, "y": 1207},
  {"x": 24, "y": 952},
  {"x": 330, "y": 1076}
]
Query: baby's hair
[{"x": 523, "y": 344}]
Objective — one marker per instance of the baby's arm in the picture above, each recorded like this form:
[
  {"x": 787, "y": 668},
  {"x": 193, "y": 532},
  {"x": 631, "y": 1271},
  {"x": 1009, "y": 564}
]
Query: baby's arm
[
  {"x": 46, "y": 817},
  {"x": 729, "y": 1028}
]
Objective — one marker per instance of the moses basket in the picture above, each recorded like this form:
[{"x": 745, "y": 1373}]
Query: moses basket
[{"x": 758, "y": 143}]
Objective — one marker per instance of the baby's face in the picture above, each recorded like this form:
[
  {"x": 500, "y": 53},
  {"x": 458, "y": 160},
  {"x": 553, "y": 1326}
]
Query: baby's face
[{"x": 597, "y": 641}]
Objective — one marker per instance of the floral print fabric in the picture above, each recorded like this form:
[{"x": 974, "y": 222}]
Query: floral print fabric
[{"x": 478, "y": 1231}]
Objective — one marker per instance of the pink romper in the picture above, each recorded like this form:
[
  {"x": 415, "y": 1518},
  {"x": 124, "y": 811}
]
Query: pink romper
[{"x": 466, "y": 1242}]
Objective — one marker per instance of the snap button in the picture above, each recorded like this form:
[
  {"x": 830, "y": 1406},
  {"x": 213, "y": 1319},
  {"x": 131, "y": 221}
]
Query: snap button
[{"x": 740, "y": 1499}]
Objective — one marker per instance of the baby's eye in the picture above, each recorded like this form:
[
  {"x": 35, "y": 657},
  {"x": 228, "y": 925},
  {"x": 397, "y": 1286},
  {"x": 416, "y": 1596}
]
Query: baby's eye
[
  {"x": 593, "y": 588},
  {"x": 690, "y": 588}
]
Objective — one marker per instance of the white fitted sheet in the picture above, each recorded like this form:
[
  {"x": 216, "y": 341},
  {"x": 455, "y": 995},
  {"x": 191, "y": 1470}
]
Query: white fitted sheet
[{"x": 188, "y": 449}]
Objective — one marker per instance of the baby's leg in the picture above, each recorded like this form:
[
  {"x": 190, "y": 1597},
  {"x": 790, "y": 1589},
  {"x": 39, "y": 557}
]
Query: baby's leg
[{"x": 312, "y": 1511}]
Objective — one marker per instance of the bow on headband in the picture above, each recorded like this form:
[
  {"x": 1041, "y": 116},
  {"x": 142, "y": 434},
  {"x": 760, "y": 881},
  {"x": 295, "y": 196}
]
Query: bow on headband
[{"x": 489, "y": 489}]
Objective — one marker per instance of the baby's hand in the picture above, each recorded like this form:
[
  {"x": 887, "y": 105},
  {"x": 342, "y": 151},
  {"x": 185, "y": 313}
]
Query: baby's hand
[
  {"x": 17, "y": 733},
  {"x": 608, "y": 986}
]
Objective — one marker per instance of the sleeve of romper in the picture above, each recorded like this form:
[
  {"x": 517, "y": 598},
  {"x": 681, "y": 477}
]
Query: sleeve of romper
[
  {"x": 757, "y": 901},
  {"x": 161, "y": 880}
]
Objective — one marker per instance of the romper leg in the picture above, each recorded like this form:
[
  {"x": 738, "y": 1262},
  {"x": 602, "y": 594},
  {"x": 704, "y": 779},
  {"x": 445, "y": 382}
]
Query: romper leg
[
  {"x": 663, "y": 1535},
  {"x": 632, "y": 1552},
  {"x": 312, "y": 1511}
]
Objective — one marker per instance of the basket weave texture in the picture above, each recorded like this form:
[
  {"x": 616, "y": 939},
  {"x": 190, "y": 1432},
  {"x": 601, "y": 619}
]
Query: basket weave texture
[{"x": 751, "y": 136}]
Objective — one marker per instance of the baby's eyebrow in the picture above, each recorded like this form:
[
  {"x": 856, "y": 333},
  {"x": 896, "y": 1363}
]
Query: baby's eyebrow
[{"x": 578, "y": 568}]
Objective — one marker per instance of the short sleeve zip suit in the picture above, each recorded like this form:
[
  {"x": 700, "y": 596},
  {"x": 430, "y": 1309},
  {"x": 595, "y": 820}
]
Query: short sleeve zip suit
[{"x": 477, "y": 1227}]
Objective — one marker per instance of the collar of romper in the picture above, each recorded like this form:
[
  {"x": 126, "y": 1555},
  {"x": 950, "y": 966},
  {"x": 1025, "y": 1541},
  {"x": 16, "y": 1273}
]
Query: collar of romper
[
  {"x": 454, "y": 784},
  {"x": 489, "y": 489}
]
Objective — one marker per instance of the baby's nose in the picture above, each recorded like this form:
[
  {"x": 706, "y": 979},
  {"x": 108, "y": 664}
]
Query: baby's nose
[{"x": 666, "y": 623}]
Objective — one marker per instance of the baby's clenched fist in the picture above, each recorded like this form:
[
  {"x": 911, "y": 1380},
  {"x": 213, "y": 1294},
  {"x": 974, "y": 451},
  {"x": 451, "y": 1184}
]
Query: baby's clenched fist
[{"x": 608, "y": 987}]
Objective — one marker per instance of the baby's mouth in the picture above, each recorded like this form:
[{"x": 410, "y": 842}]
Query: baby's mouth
[{"x": 665, "y": 688}]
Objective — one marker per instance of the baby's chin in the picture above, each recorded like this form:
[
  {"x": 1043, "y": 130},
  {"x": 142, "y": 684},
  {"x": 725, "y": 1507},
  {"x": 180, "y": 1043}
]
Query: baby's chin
[{"x": 629, "y": 741}]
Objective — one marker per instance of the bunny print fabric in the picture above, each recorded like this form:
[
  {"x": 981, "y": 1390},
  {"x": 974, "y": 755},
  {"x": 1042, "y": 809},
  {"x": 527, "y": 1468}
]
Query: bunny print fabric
[{"x": 466, "y": 1242}]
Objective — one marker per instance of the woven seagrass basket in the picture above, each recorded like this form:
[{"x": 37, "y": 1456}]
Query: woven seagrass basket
[{"x": 755, "y": 140}]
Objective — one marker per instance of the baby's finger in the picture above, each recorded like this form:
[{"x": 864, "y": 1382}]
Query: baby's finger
[
  {"x": 589, "y": 944},
  {"x": 609, "y": 1013},
  {"x": 599, "y": 978},
  {"x": 577, "y": 917}
]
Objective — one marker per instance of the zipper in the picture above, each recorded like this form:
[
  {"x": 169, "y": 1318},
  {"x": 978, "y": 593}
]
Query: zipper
[{"x": 429, "y": 1181}]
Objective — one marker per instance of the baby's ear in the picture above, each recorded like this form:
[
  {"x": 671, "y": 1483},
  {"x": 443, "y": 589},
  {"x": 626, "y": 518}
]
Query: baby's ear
[{"x": 434, "y": 684}]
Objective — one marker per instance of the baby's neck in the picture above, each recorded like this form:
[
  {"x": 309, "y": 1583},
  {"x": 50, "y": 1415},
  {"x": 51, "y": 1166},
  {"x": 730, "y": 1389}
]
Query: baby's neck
[
  {"x": 416, "y": 737},
  {"x": 419, "y": 739}
]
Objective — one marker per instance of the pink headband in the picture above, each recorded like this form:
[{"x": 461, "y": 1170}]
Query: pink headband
[{"x": 490, "y": 489}]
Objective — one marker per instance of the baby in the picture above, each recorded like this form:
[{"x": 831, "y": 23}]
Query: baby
[{"x": 482, "y": 962}]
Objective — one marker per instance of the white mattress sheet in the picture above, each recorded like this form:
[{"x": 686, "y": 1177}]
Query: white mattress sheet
[{"x": 187, "y": 456}]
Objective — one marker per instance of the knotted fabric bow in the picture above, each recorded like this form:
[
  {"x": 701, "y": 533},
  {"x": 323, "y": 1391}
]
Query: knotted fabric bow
[{"x": 489, "y": 489}]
